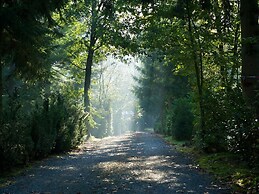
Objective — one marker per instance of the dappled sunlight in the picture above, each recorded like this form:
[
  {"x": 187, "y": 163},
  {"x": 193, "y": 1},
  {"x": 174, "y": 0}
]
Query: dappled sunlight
[
  {"x": 149, "y": 175},
  {"x": 60, "y": 168},
  {"x": 73, "y": 72},
  {"x": 142, "y": 169},
  {"x": 111, "y": 166},
  {"x": 117, "y": 154},
  {"x": 134, "y": 169},
  {"x": 138, "y": 162},
  {"x": 132, "y": 159}
]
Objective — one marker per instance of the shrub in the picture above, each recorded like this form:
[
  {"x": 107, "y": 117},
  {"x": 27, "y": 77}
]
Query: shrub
[
  {"x": 182, "y": 119},
  {"x": 53, "y": 124},
  {"x": 15, "y": 140}
]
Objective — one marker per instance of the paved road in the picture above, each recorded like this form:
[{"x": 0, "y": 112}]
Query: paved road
[{"x": 134, "y": 163}]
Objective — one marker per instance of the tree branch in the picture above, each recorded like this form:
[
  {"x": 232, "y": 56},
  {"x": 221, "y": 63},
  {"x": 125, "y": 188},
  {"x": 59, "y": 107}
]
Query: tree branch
[
  {"x": 99, "y": 46},
  {"x": 78, "y": 67}
]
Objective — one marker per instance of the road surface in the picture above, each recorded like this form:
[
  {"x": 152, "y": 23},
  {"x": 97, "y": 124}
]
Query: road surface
[{"x": 134, "y": 163}]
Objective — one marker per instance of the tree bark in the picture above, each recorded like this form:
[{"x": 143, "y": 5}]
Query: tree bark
[
  {"x": 89, "y": 62},
  {"x": 198, "y": 70},
  {"x": 1, "y": 92},
  {"x": 235, "y": 67},
  {"x": 87, "y": 84},
  {"x": 250, "y": 51},
  {"x": 1, "y": 79}
]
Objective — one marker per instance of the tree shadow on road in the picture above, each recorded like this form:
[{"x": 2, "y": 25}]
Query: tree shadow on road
[{"x": 134, "y": 163}]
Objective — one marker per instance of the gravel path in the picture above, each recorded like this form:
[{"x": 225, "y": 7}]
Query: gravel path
[{"x": 134, "y": 163}]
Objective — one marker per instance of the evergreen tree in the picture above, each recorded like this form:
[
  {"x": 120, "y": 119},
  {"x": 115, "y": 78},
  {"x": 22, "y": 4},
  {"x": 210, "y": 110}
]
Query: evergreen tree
[{"x": 24, "y": 36}]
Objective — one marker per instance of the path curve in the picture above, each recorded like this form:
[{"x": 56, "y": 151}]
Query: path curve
[{"x": 134, "y": 163}]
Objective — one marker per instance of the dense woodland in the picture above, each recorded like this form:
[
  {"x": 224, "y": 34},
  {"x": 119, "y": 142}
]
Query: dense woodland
[{"x": 198, "y": 80}]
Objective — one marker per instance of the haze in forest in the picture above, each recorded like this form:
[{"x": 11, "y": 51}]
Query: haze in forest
[
  {"x": 198, "y": 81},
  {"x": 112, "y": 90}
]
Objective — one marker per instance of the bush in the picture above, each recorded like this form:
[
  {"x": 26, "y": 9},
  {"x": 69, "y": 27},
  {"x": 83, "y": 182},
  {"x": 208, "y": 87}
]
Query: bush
[
  {"x": 230, "y": 125},
  {"x": 176, "y": 120},
  {"x": 54, "y": 124},
  {"x": 15, "y": 140},
  {"x": 58, "y": 126},
  {"x": 70, "y": 126},
  {"x": 182, "y": 119}
]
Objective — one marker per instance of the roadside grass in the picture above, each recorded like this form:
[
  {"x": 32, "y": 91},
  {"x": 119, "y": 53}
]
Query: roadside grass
[
  {"x": 227, "y": 167},
  {"x": 182, "y": 146}
]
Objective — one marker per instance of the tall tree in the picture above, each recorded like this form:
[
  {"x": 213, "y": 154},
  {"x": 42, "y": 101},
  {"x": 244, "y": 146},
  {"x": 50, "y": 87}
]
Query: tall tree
[
  {"x": 24, "y": 32},
  {"x": 102, "y": 28},
  {"x": 250, "y": 51}
]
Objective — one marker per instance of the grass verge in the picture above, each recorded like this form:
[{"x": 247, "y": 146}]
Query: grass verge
[{"x": 227, "y": 167}]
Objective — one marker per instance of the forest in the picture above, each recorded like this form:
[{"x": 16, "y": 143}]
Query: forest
[{"x": 63, "y": 68}]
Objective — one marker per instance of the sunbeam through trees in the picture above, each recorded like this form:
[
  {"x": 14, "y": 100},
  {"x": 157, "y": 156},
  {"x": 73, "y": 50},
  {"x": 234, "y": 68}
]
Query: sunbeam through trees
[{"x": 73, "y": 70}]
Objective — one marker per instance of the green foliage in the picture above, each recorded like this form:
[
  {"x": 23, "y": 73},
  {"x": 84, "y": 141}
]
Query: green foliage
[
  {"x": 15, "y": 141},
  {"x": 57, "y": 126},
  {"x": 182, "y": 119},
  {"x": 103, "y": 127},
  {"x": 53, "y": 124},
  {"x": 161, "y": 93},
  {"x": 177, "y": 120},
  {"x": 201, "y": 42},
  {"x": 26, "y": 33},
  {"x": 189, "y": 47},
  {"x": 229, "y": 125},
  {"x": 150, "y": 90},
  {"x": 217, "y": 112}
]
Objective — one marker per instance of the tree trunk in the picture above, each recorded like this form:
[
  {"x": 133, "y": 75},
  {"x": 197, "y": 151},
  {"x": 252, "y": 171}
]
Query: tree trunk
[
  {"x": 1, "y": 92},
  {"x": 198, "y": 70},
  {"x": 89, "y": 62},
  {"x": 250, "y": 51},
  {"x": 221, "y": 30},
  {"x": 87, "y": 84},
  {"x": 235, "y": 67},
  {"x": 1, "y": 79}
]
